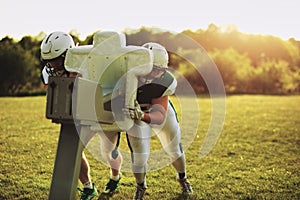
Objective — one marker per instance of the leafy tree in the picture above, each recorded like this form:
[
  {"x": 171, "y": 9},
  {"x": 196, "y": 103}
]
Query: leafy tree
[
  {"x": 275, "y": 77},
  {"x": 139, "y": 38},
  {"x": 17, "y": 67},
  {"x": 248, "y": 63},
  {"x": 235, "y": 69}
]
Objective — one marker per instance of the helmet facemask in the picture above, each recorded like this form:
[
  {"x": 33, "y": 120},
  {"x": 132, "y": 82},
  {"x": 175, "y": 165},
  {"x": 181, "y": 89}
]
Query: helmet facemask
[
  {"x": 55, "y": 67},
  {"x": 156, "y": 72}
]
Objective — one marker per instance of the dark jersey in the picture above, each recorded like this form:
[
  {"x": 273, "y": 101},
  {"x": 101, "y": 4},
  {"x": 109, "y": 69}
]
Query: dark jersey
[{"x": 162, "y": 86}]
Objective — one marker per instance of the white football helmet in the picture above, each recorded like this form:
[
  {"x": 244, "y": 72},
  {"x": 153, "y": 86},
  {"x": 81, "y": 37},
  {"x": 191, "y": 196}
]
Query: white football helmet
[
  {"x": 160, "y": 54},
  {"x": 56, "y": 44}
]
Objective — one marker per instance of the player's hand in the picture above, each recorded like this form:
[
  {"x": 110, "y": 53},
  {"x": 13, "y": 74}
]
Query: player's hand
[{"x": 136, "y": 112}]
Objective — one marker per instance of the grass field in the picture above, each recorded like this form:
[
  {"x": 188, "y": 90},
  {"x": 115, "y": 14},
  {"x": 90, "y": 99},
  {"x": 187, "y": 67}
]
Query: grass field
[{"x": 256, "y": 157}]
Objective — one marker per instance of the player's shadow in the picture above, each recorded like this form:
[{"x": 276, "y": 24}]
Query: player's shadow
[
  {"x": 183, "y": 197},
  {"x": 104, "y": 196}
]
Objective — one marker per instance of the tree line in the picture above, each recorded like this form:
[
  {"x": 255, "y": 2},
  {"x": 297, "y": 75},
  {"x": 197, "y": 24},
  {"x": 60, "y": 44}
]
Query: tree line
[{"x": 248, "y": 63}]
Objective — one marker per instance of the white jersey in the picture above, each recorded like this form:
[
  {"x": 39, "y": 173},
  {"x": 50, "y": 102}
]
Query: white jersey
[
  {"x": 47, "y": 72},
  {"x": 45, "y": 75}
]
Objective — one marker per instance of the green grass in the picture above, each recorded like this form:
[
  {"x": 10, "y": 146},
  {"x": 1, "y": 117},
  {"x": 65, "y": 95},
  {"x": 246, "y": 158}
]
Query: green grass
[{"x": 256, "y": 157}]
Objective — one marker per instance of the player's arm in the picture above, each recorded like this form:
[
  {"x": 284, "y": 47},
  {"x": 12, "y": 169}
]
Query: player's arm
[
  {"x": 158, "y": 111},
  {"x": 74, "y": 74}
]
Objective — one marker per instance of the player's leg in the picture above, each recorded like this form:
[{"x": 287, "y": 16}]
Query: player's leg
[
  {"x": 84, "y": 175},
  {"x": 138, "y": 138},
  {"x": 111, "y": 155},
  {"x": 170, "y": 138},
  {"x": 89, "y": 191}
]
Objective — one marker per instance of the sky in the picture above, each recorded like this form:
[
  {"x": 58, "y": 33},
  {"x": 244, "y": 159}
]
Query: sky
[{"x": 267, "y": 17}]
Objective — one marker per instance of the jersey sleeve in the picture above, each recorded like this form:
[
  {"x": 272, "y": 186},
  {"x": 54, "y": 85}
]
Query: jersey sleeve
[
  {"x": 44, "y": 76},
  {"x": 171, "y": 87}
]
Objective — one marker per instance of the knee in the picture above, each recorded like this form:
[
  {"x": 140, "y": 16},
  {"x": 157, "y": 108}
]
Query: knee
[
  {"x": 174, "y": 151},
  {"x": 139, "y": 159},
  {"x": 109, "y": 156},
  {"x": 139, "y": 163},
  {"x": 114, "y": 154}
]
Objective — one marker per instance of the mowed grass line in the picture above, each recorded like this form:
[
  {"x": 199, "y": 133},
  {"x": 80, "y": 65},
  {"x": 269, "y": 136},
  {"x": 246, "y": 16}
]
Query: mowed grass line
[{"x": 256, "y": 157}]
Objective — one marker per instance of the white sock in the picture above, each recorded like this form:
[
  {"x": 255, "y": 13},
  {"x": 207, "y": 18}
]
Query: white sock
[
  {"x": 115, "y": 178},
  {"x": 88, "y": 185}
]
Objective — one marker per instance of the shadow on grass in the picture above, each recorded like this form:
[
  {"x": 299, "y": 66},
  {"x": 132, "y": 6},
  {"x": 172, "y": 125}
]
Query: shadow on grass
[
  {"x": 104, "y": 196},
  {"x": 184, "y": 197}
]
